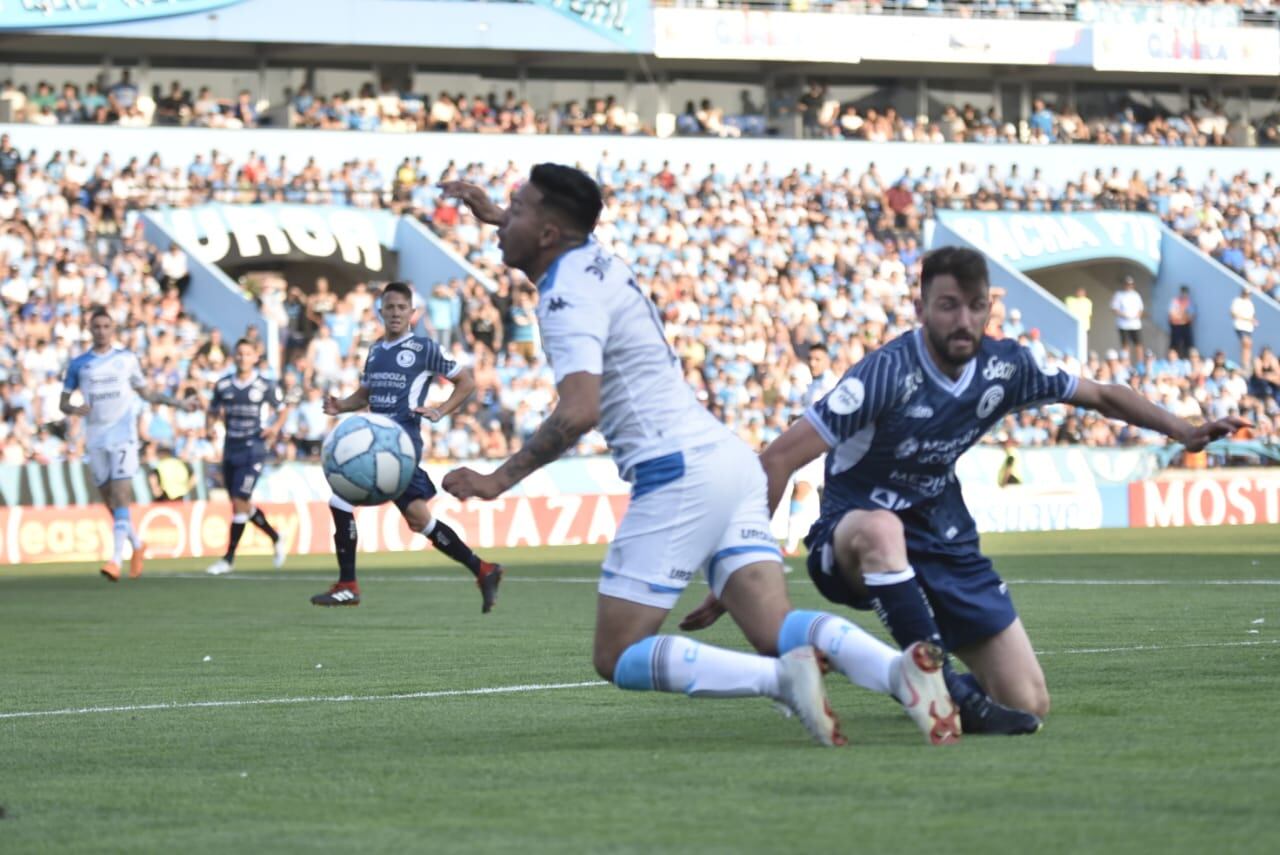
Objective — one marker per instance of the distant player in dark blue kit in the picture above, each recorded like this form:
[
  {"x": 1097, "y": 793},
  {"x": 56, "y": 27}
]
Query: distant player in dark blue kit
[
  {"x": 242, "y": 399},
  {"x": 397, "y": 376},
  {"x": 894, "y": 534}
]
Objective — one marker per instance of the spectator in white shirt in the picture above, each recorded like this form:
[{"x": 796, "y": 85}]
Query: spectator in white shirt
[
  {"x": 1128, "y": 308},
  {"x": 1244, "y": 320}
]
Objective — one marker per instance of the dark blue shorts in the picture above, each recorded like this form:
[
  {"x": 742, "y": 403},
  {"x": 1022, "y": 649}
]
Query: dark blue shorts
[
  {"x": 240, "y": 477},
  {"x": 970, "y": 601},
  {"x": 419, "y": 488}
]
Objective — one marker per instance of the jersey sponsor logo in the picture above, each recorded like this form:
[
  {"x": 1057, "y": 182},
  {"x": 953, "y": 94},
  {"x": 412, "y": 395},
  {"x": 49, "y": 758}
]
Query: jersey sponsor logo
[
  {"x": 555, "y": 304},
  {"x": 846, "y": 397},
  {"x": 889, "y": 499},
  {"x": 919, "y": 411},
  {"x": 998, "y": 369},
  {"x": 405, "y": 358},
  {"x": 925, "y": 485},
  {"x": 989, "y": 401},
  {"x": 906, "y": 448},
  {"x": 391, "y": 379},
  {"x": 383, "y": 401},
  {"x": 412, "y": 345}
]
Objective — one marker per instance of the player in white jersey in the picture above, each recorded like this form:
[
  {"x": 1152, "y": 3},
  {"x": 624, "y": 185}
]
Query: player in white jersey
[
  {"x": 698, "y": 502},
  {"x": 109, "y": 379},
  {"x": 803, "y": 509}
]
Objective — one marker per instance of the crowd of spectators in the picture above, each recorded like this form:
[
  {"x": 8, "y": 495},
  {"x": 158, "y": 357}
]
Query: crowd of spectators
[
  {"x": 814, "y": 112},
  {"x": 749, "y": 272}
]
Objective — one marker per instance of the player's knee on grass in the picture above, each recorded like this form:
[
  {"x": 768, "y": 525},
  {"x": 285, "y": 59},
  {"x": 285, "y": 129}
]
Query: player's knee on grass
[{"x": 1029, "y": 694}]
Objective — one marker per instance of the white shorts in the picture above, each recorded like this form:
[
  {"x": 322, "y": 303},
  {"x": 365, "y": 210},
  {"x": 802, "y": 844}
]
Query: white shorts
[
  {"x": 712, "y": 519},
  {"x": 118, "y": 463},
  {"x": 812, "y": 473}
]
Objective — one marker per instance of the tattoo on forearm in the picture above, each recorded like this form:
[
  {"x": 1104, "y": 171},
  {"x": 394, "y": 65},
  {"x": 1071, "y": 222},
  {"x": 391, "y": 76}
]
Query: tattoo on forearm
[{"x": 552, "y": 439}]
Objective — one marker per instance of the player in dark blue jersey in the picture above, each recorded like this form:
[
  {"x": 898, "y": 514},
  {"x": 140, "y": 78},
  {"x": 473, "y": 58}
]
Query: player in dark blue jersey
[
  {"x": 397, "y": 375},
  {"x": 894, "y": 533},
  {"x": 242, "y": 399}
]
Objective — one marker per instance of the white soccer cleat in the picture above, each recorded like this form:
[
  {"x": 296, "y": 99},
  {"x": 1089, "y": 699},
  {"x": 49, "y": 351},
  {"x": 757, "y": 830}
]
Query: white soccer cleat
[
  {"x": 924, "y": 695},
  {"x": 800, "y": 689},
  {"x": 277, "y": 557},
  {"x": 221, "y": 567}
]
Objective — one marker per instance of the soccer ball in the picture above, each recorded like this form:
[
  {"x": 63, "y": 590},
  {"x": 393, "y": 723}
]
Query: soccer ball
[{"x": 368, "y": 459}]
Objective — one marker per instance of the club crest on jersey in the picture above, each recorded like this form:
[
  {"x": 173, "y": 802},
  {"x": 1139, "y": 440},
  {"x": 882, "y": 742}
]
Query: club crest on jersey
[
  {"x": 998, "y": 369},
  {"x": 989, "y": 401},
  {"x": 846, "y": 397},
  {"x": 255, "y": 395},
  {"x": 405, "y": 358},
  {"x": 911, "y": 383}
]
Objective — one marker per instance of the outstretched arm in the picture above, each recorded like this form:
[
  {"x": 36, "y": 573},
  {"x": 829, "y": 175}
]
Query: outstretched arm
[
  {"x": 1121, "y": 402},
  {"x": 798, "y": 445},
  {"x": 475, "y": 198},
  {"x": 188, "y": 404},
  {"x": 357, "y": 400},
  {"x": 577, "y": 412},
  {"x": 464, "y": 383}
]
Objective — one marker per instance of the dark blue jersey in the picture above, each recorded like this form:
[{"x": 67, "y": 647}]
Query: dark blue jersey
[
  {"x": 398, "y": 375},
  {"x": 245, "y": 407},
  {"x": 896, "y": 424}
]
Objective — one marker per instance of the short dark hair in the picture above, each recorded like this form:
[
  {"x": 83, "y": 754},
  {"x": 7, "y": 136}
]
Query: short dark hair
[
  {"x": 817, "y": 345},
  {"x": 570, "y": 192},
  {"x": 968, "y": 266},
  {"x": 99, "y": 312},
  {"x": 246, "y": 343},
  {"x": 401, "y": 288}
]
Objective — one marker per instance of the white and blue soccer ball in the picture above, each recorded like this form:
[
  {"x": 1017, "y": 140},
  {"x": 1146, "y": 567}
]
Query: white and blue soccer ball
[{"x": 368, "y": 459}]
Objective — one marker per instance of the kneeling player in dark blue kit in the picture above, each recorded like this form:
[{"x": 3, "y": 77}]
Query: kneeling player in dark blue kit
[
  {"x": 242, "y": 399},
  {"x": 397, "y": 375},
  {"x": 894, "y": 534}
]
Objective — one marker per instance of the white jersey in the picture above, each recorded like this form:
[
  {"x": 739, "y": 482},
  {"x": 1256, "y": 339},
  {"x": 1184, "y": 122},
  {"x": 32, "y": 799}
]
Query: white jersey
[
  {"x": 819, "y": 387},
  {"x": 108, "y": 382},
  {"x": 594, "y": 318}
]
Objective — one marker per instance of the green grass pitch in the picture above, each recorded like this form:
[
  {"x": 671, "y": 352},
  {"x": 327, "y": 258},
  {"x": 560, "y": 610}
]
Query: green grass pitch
[{"x": 1161, "y": 650}]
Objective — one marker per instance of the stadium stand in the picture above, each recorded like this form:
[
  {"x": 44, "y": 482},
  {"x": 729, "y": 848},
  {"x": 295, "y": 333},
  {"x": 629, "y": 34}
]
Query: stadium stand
[{"x": 748, "y": 271}]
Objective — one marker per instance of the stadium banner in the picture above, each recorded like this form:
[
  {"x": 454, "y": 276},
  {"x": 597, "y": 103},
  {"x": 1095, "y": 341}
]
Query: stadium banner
[
  {"x": 40, "y": 14},
  {"x": 1034, "y": 241},
  {"x": 795, "y": 36},
  {"x": 233, "y": 236},
  {"x": 1026, "y": 508},
  {"x": 628, "y": 23},
  {"x": 199, "y": 529},
  {"x": 1239, "y": 497},
  {"x": 1253, "y": 51},
  {"x": 1167, "y": 14},
  {"x": 753, "y": 35}
]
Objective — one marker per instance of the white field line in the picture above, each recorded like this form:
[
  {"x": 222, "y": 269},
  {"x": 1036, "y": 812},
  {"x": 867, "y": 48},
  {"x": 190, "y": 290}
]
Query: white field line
[
  {"x": 331, "y": 699},
  {"x": 267, "y": 576},
  {"x": 507, "y": 690}
]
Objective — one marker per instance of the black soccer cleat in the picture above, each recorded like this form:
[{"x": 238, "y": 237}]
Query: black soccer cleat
[
  {"x": 980, "y": 714},
  {"x": 341, "y": 594},
  {"x": 488, "y": 580}
]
